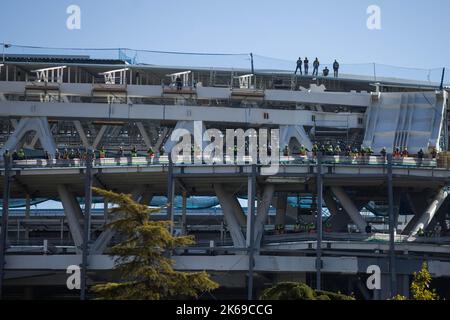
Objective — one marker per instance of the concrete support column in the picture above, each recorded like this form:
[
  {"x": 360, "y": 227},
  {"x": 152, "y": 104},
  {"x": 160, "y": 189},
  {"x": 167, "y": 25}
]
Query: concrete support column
[
  {"x": 73, "y": 214},
  {"x": 429, "y": 213},
  {"x": 263, "y": 213},
  {"x": 27, "y": 124},
  {"x": 280, "y": 217},
  {"x": 418, "y": 203},
  {"x": 233, "y": 224},
  {"x": 350, "y": 208}
]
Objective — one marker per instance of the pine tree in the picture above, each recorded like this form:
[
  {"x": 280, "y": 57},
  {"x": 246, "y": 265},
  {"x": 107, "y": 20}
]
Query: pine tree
[{"x": 141, "y": 257}]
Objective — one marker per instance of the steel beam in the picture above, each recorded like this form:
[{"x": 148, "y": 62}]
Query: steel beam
[
  {"x": 319, "y": 222},
  {"x": 87, "y": 225},
  {"x": 251, "y": 194},
  {"x": 5, "y": 213},
  {"x": 392, "y": 228}
]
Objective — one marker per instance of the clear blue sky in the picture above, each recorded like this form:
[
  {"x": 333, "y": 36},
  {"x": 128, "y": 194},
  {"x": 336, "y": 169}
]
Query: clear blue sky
[{"x": 414, "y": 33}]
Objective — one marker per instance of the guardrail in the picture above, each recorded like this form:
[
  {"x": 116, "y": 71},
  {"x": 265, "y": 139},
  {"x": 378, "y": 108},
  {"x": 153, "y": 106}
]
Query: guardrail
[{"x": 164, "y": 161}]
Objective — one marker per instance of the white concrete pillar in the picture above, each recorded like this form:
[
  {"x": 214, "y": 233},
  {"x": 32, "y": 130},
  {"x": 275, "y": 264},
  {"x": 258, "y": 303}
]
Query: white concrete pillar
[
  {"x": 429, "y": 213},
  {"x": 350, "y": 208},
  {"x": 73, "y": 214},
  {"x": 263, "y": 213},
  {"x": 228, "y": 212}
]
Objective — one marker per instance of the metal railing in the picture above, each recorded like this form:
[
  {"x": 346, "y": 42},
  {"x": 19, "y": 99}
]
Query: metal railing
[{"x": 206, "y": 161}]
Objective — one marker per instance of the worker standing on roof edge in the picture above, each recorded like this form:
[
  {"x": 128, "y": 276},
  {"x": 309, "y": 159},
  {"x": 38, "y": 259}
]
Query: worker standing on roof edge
[
  {"x": 336, "y": 68},
  {"x": 306, "y": 65},
  {"x": 316, "y": 65},
  {"x": 299, "y": 66}
]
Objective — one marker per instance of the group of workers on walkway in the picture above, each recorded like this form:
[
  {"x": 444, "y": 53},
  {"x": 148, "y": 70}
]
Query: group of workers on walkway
[
  {"x": 100, "y": 154},
  {"x": 330, "y": 150},
  {"x": 316, "y": 65}
]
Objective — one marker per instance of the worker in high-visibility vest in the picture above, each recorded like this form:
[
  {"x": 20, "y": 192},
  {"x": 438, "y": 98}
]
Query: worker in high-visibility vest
[
  {"x": 133, "y": 152},
  {"x": 302, "y": 151},
  {"x": 420, "y": 232},
  {"x": 337, "y": 151},
  {"x": 102, "y": 153},
  {"x": 21, "y": 154},
  {"x": 315, "y": 149}
]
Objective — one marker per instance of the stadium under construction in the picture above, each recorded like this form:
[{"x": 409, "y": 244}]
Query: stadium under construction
[{"x": 322, "y": 219}]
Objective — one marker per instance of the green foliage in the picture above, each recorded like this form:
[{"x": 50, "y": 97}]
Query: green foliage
[
  {"x": 420, "y": 287},
  {"x": 299, "y": 291},
  {"x": 141, "y": 260},
  {"x": 399, "y": 297}
]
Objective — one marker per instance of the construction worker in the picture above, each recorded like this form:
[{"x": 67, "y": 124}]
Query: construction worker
[
  {"x": 179, "y": 83},
  {"x": 286, "y": 151},
  {"x": 299, "y": 66},
  {"x": 336, "y": 68},
  {"x": 397, "y": 153},
  {"x": 383, "y": 152},
  {"x": 150, "y": 152},
  {"x": 329, "y": 150},
  {"x": 348, "y": 151},
  {"x": 420, "y": 156},
  {"x": 102, "y": 153},
  {"x": 133, "y": 152},
  {"x": 369, "y": 151},
  {"x": 434, "y": 153},
  {"x": 405, "y": 153},
  {"x": 120, "y": 152},
  {"x": 337, "y": 151},
  {"x": 420, "y": 232},
  {"x": 66, "y": 154},
  {"x": 322, "y": 148},
  {"x": 302, "y": 150},
  {"x": 306, "y": 65},
  {"x": 316, "y": 65},
  {"x": 315, "y": 148},
  {"x": 21, "y": 155}
]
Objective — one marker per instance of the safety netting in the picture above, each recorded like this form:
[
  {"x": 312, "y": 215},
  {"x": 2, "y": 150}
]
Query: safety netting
[{"x": 237, "y": 61}]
